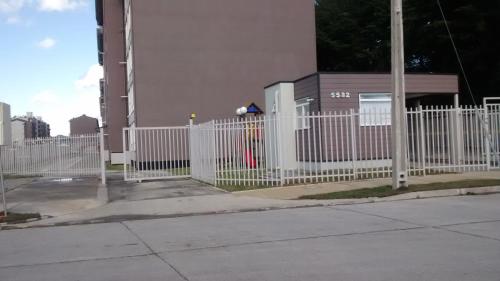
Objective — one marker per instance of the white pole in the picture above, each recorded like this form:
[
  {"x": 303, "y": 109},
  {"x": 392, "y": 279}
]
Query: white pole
[
  {"x": 2, "y": 184},
  {"x": 103, "y": 163},
  {"x": 399, "y": 145}
]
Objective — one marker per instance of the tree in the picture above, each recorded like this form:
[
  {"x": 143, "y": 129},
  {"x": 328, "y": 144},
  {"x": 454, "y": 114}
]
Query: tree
[{"x": 355, "y": 36}]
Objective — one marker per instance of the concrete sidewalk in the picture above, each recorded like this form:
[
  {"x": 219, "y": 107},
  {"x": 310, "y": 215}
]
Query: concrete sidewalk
[
  {"x": 172, "y": 207},
  {"x": 294, "y": 192},
  {"x": 165, "y": 199}
]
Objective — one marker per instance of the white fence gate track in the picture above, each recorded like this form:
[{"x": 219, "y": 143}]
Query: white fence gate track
[
  {"x": 282, "y": 149},
  {"x": 73, "y": 156}
]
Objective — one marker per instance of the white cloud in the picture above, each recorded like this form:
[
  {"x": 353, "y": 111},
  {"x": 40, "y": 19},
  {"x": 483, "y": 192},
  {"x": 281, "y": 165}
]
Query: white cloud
[
  {"x": 91, "y": 78},
  {"x": 13, "y": 20},
  {"x": 60, "y": 5},
  {"x": 11, "y": 6},
  {"x": 44, "y": 97},
  {"x": 46, "y": 43},
  {"x": 58, "y": 108}
]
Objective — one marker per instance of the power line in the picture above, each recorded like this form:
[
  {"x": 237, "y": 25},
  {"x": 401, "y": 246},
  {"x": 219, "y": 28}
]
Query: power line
[{"x": 456, "y": 52}]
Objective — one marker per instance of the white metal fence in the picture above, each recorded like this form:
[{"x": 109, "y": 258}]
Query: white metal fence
[
  {"x": 493, "y": 133},
  {"x": 320, "y": 147},
  {"x": 53, "y": 157},
  {"x": 156, "y": 153},
  {"x": 341, "y": 146},
  {"x": 203, "y": 152}
]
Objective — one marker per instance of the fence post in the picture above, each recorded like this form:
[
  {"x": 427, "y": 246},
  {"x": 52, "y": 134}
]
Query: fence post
[
  {"x": 279, "y": 123},
  {"x": 191, "y": 141},
  {"x": 125, "y": 152},
  {"x": 486, "y": 137},
  {"x": 422, "y": 137},
  {"x": 353, "y": 145},
  {"x": 214, "y": 139},
  {"x": 2, "y": 184},
  {"x": 59, "y": 160},
  {"x": 460, "y": 137},
  {"x": 101, "y": 152}
]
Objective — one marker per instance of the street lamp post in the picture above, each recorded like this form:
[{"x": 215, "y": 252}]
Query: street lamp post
[{"x": 399, "y": 145}]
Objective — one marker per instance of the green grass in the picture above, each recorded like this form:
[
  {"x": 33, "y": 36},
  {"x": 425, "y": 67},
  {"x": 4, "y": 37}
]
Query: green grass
[
  {"x": 234, "y": 188},
  {"x": 18, "y": 218},
  {"x": 385, "y": 191},
  {"x": 306, "y": 177},
  {"x": 12, "y": 177}
]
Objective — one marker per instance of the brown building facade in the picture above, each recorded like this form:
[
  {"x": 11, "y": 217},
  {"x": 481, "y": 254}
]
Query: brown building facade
[
  {"x": 204, "y": 57},
  {"x": 325, "y": 89},
  {"x": 83, "y": 125},
  {"x": 366, "y": 97},
  {"x": 111, "y": 54}
]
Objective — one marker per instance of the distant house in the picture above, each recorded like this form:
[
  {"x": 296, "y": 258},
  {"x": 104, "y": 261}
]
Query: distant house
[{"x": 83, "y": 125}]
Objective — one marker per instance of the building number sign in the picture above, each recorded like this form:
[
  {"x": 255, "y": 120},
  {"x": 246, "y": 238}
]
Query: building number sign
[{"x": 340, "y": 95}]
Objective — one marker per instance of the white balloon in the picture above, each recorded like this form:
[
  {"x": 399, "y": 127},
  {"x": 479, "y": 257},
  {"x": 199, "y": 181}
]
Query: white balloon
[{"x": 244, "y": 110}]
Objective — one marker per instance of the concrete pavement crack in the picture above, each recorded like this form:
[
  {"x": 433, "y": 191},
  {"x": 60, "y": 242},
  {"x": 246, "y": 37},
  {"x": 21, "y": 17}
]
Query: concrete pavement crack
[
  {"x": 440, "y": 227},
  {"x": 290, "y": 239},
  {"x": 73, "y": 261},
  {"x": 374, "y": 215},
  {"x": 473, "y": 222},
  {"x": 466, "y": 233},
  {"x": 157, "y": 254}
]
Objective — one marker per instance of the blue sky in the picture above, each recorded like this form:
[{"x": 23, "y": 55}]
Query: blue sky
[{"x": 48, "y": 59}]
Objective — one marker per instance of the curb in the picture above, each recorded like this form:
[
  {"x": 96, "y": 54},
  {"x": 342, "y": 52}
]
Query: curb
[
  {"x": 417, "y": 195},
  {"x": 306, "y": 204}
]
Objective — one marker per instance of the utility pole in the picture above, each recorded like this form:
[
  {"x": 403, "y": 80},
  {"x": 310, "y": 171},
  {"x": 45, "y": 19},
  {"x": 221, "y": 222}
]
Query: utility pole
[{"x": 399, "y": 145}]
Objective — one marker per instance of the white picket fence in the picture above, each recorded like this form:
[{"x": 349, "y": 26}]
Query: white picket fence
[{"x": 54, "y": 157}]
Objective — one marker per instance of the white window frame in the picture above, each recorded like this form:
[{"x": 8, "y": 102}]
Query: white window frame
[
  {"x": 304, "y": 104},
  {"x": 375, "y": 119}
]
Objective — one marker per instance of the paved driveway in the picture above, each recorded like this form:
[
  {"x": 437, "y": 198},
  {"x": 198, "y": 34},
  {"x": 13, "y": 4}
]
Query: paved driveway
[
  {"x": 132, "y": 191},
  {"x": 454, "y": 238},
  {"x": 52, "y": 197}
]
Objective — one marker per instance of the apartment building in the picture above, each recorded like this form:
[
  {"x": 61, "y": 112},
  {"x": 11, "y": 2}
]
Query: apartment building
[
  {"x": 83, "y": 125},
  {"x": 5, "y": 124},
  {"x": 166, "y": 59},
  {"x": 29, "y": 127}
]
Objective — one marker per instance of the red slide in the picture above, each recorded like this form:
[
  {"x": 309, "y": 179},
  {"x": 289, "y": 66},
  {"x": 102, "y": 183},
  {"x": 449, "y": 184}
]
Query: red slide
[{"x": 251, "y": 163}]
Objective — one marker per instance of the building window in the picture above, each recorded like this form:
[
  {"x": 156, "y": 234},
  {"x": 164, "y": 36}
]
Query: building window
[
  {"x": 375, "y": 109},
  {"x": 303, "y": 109}
]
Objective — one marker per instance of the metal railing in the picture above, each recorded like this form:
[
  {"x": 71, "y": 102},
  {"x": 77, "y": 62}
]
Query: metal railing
[
  {"x": 337, "y": 146},
  {"x": 284, "y": 149},
  {"x": 54, "y": 157}
]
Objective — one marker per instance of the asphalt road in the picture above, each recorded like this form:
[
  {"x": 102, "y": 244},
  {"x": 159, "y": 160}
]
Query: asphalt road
[{"x": 454, "y": 238}]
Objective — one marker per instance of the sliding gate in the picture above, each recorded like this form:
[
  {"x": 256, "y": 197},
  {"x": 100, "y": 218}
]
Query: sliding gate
[
  {"x": 156, "y": 153},
  {"x": 59, "y": 157}
]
